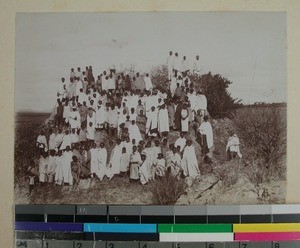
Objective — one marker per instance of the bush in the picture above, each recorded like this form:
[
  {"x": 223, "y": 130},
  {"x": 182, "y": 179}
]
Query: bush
[
  {"x": 167, "y": 190},
  {"x": 264, "y": 131}
]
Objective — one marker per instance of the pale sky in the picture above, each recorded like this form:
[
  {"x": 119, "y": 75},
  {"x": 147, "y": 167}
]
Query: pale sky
[{"x": 248, "y": 48}]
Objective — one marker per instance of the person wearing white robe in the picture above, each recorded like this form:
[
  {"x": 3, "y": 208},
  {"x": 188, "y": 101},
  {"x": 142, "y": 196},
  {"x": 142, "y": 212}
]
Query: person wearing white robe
[
  {"x": 134, "y": 132},
  {"x": 170, "y": 64},
  {"x": 52, "y": 137},
  {"x": 82, "y": 97},
  {"x": 175, "y": 162},
  {"x": 197, "y": 66},
  {"x": 59, "y": 161},
  {"x": 62, "y": 90},
  {"x": 124, "y": 161},
  {"x": 43, "y": 164},
  {"x": 150, "y": 159},
  {"x": 74, "y": 137},
  {"x": 132, "y": 114},
  {"x": 233, "y": 146},
  {"x": 66, "y": 113},
  {"x": 51, "y": 166},
  {"x": 101, "y": 116},
  {"x": 66, "y": 141},
  {"x": 156, "y": 149},
  {"x": 66, "y": 172},
  {"x": 148, "y": 83},
  {"x": 102, "y": 162},
  {"x": 163, "y": 120},
  {"x": 173, "y": 85},
  {"x": 135, "y": 161},
  {"x": 90, "y": 132},
  {"x": 151, "y": 123},
  {"x": 143, "y": 170},
  {"x": 181, "y": 142},
  {"x": 94, "y": 160},
  {"x": 184, "y": 120},
  {"x": 189, "y": 161},
  {"x": 115, "y": 158},
  {"x": 105, "y": 81},
  {"x": 74, "y": 119},
  {"x": 206, "y": 129},
  {"x": 193, "y": 100},
  {"x": 176, "y": 63},
  {"x": 91, "y": 117},
  {"x": 58, "y": 139},
  {"x": 184, "y": 65},
  {"x": 148, "y": 104},
  {"x": 41, "y": 142},
  {"x": 134, "y": 101},
  {"x": 202, "y": 101},
  {"x": 160, "y": 166},
  {"x": 128, "y": 145}
]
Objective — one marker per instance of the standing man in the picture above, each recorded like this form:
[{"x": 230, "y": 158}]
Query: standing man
[
  {"x": 197, "y": 66},
  {"x": 176, "y": 64},
  {"x": 170, "y": 65},
  {"x": 206, "y": 132},
  {"x": 184, "y": 66}
]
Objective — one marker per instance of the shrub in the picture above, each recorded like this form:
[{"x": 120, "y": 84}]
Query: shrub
[
  {"x": 264, "y": 131},
  {"x": 167, "y": 190}
]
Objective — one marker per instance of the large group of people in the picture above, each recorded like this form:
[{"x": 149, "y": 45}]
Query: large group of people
[{"x": 119, "y": 124}]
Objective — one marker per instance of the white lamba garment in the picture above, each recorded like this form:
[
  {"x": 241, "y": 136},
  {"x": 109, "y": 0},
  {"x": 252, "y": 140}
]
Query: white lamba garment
[
  {"x": 148, "y": 83},
  {"x": 163, "y": 120},
  {"x": 206, "y": 129},
  {"x": 134, "y": 133},
  {"x": 233, "y": 145},
  {"x": 196, "y": 237},
  {"x": 202, "y": 101}
]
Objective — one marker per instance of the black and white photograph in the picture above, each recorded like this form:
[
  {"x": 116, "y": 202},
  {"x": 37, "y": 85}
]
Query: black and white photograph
[{"x": 150, "y": 108}]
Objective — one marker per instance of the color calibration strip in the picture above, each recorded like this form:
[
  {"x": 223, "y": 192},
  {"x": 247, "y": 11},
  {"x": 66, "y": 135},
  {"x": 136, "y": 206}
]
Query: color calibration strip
[{"x": 274, "y": 226}]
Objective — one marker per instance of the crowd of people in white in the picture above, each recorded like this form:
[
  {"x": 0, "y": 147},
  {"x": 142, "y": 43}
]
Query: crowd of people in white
[{"x": 138, "y": 118}]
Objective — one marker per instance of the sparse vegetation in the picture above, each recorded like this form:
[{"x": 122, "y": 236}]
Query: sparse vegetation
[
  {"x": 264, "y": 132},
  {"x": 168, "y": 189}
]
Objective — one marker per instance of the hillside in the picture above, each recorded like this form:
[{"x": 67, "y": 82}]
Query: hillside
[{"x": 223, "y": 182}]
